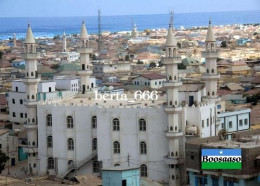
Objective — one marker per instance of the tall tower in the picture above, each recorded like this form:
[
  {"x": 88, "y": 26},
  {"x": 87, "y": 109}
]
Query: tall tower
[
  {"x": 64, "y": 38},
  {"x": 211, "y": 76},
  {"x": 134, "y": 31},
  {"x": 85, "y": 51},
  {"x": 31, "y": 81},
  {"x": 14, "y": 40},
  {"x": 175, "y": 134}
]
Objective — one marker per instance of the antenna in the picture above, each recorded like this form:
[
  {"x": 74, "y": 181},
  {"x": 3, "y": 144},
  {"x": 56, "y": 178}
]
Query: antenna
[
  {"x": 132, "y": 22},
  {"x": 99, "y": 32},
  {"x": 171, "y": 19}
]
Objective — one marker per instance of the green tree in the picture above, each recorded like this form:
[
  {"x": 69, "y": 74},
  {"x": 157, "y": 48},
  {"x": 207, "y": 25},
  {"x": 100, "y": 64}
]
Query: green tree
[
  {"x": 127, "y": 58},
  {"x": 152, "y": 65},
  {"x": 224, "y": 44},
  {"x": 3, "y": 160},
  {"x": 139, "y": 62}
]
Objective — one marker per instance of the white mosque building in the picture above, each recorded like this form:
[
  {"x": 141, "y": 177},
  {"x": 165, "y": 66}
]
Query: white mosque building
[{"x": 81, "y": 135}]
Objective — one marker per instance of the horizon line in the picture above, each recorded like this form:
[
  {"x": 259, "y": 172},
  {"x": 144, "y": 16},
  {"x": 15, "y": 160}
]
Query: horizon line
[{"x": 127, "y": 14}]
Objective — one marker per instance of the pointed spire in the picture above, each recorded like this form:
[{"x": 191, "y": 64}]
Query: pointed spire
[
  {"x": 64, "y": 34},
  {"x": 170, "y": 39},
  {"x": 84, "y": 32},
  {"x": 29, "y": 36},
  {"x": 210, "y": 35}
]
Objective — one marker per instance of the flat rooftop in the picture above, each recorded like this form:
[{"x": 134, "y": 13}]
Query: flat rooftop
[
  {"x": 243, "y": 142},
  {"x": 116, "y": 102}
]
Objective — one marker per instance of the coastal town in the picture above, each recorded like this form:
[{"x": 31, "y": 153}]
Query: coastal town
[{"x": 130, "y": 108}]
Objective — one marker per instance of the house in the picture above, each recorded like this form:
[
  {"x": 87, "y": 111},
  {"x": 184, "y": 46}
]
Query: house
[
  {"x": 18, "y": 62},
  {"x": 120, "y": 175},
  {"x": 152, "y": 80},
  {"x": 238, "y": 68},
  {"x": 9, "y": 145}
]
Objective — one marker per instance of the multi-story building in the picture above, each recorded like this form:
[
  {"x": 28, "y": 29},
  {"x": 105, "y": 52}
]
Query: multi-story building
[{"x": 247, "y": 141}]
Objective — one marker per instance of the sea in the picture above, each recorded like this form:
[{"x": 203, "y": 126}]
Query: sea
[{"x": 51, "y": 26}]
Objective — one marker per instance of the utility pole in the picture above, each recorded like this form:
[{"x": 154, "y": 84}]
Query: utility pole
[
  {"x": 99, "y": 32},
  {"x": 8, "y": 166},
  {"x": 128, "y": 159}
]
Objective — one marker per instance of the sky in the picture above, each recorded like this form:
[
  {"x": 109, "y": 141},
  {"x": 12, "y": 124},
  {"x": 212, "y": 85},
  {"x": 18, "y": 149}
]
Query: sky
[{"x": 61, "y": 8}]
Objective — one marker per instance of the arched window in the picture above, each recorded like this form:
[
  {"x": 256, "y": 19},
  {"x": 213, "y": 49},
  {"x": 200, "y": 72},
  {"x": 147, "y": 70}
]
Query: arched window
[
  {"x": 143, "y": 170},
  {"x": 213, "y": 93},
  {"x": 31, "y": 73},
  {"x": 207, "y": 70},
  {"x": 94, "y": 122},
  {"x": 34, "y": 165},
  {"x": 172, "y": 177},
  {"x": 116, "y": 147},
  {"x": 212, "y": 71},
  {"x": 143, "y": 148},
  {"x": 33, "y": 143},
  {"x": 116, "y": 124},
  {"x": 172, "y": 154},
  {"x": 176, "y": 128},
  {"x": 116, "y": 165},
  {"x": 170, "y": 78},
  {"x": 176, "y": 153},
  {"x": 69, "y": 122},
  {"x": 70, "y": 144},
  {"x": 171, "y": 128},
  {"x": 170, "y": 102},
  {"x": 49, "y": 120},
  {"x": 94, "y": 144},
  {"x": 212, "y": 46},
  {"x": 50, "y": 163},
  {"x": 33, "y": 120},
  {"x": 208, "y": 93},
  {"x": 49, "y": 142},
  {"x": 175, "y": 78},
  {"x": 142, "y": 124},
  {"x": 32, "y": 96}
]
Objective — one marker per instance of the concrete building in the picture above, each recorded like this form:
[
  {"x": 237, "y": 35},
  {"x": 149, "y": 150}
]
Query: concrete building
[
  {"x": 103, "y": 67},
  {"x": 152, "y": 80},
  {"x": 247, "y": 141},
  {"x": 121, "y": 176},
  {"x": 9, "y": 145}
]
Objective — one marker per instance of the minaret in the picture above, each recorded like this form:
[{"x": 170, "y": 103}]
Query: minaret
[
  {"x": 134, "y": 31},
  {"x": 14, "y": 40},
  {"x": 85, "y": 51},
  {"x": 211, "y": 76},
  {"x": 64, "y": 38},
  {"x": 31, "y": 81},
  {"x": 174, "y": 133}
]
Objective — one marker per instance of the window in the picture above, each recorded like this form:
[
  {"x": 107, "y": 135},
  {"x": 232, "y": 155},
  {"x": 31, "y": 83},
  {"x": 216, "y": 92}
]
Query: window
[
  {"x": 116, "y": 147},
  {"x": 32, "y": 96},
  {"x": 50, "y": 163},
  {"x": 21, "y": 115},
  {"x": 116, "y": 125},
  {"x": 13, "y": 100},
  {"x": 240, "y": 122},
  {"x": 70, "y": 144},
  {"x": 155, "y": 83},
  {"x": 143, "y": 170},
  {"x": 49, "y": 120},
  {"x": 96, "y": 166},
  {"x": 94, "y": 144},
  {"x": 245, "y": 121},
  {"x": 230, "y": 124},
  {"x": 142, "y": 124},
  {"x": 21, "y": 101},
  {"x": 25, "y": 115},
  {"x": 143, "y": 149},
  {"x": 202, "y": 124},
  {"x": 94, "y": 122},
  {"x": 69, "y": 122},
  {"x": 16, "y": 89},
  {"x": 218, "y": 106},
  {"x": 49, "y": 142},
  {"x": 14, "y": 114},
  {"x": 222, "y": 125},
  {"x": 207, "y": 122}
]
